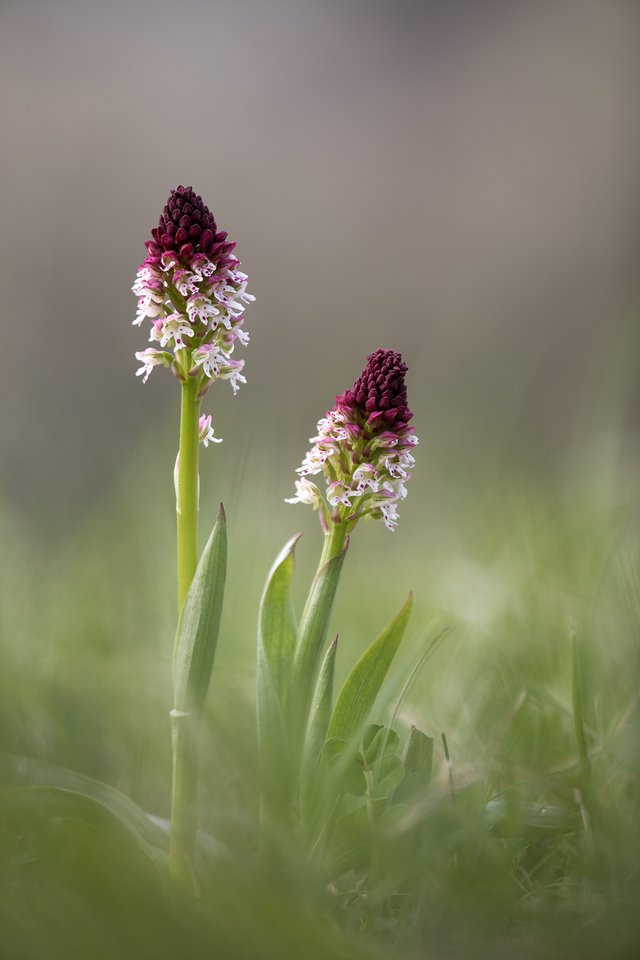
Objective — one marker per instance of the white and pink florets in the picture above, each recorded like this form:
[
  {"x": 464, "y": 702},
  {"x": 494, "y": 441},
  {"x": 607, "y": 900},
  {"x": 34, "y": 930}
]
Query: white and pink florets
[
  {"x": 363, "y": 448},
  {"x": 193, "y": 293}
]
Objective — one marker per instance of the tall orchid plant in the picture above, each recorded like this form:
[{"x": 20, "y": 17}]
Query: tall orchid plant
[{"x": 193, "y": 293}]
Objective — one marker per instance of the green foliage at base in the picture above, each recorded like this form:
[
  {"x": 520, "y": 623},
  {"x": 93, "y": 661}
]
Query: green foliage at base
[{"x": 525, "y": 842}]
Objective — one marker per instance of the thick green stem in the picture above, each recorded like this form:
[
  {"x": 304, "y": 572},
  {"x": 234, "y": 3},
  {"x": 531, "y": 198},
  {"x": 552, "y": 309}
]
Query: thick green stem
[
  {"x": 184, "y": 787},
  {"x": 187, "y": 489},
  {"x": 183, "y": 801}
]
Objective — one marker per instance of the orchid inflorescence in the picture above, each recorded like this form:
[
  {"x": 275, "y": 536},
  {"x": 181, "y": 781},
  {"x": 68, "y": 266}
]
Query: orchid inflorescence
[
  {"x": 363, "y": 448},
  {"x": 193, "y": 292}
]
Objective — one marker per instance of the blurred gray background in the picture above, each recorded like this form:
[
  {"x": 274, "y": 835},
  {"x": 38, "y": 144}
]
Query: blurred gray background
[{"x": 458, "y": 181}]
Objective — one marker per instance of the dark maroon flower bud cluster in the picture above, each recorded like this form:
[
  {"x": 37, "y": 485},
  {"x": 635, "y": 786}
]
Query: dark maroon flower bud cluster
[
  {"x": 187, "y": 227},
  {"x": 380, "y": 393}
]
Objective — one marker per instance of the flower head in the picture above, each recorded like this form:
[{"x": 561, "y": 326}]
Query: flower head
[
  {"x": 188, "y": 227},
  {"x": 379, "y": 394},
  {"x": 363, "y": 448},
  {"x": 192, "y": 291}
]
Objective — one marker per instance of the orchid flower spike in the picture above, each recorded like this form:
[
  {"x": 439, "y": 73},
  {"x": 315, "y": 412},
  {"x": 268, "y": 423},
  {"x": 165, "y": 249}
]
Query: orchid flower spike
[
  {"x": 193, "y": 293},
  {"x": 363, "y": 448}
]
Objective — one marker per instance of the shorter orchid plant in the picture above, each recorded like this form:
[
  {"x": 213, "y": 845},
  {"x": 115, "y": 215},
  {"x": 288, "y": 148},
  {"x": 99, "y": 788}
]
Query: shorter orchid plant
[
  {"x": 315, "y": 752},
  {"x": 193, "y": 293}
]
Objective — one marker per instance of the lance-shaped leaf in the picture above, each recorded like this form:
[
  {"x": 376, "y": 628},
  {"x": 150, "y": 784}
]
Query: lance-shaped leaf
[
  {"x": 313, "y": 630},
  {"x": 319, "y": 718},
  {"x": 199, "y": 625},
  {"x": 365, "y": 680},
  {"x": 320, "y": 713},
  {"x": 277, "y": 628},
  {"x": 276, "y": 647}
]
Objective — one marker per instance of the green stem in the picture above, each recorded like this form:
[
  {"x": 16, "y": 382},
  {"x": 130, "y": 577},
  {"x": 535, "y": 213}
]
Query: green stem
[
  {"x": 184, "y": 786},
  {"x": 187, "y": 489},
  {"x": 184, "y": 793},
  {"x": 333, "y": 543}
]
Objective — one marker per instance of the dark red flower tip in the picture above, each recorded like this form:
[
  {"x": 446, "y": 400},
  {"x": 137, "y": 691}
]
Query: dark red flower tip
[
  {"x": 380, "y": 393},
  {"x": 186, "y": 226}
]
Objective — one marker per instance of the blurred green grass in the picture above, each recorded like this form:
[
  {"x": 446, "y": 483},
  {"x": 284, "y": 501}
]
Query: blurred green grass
[{"x": 511, "y": 568}]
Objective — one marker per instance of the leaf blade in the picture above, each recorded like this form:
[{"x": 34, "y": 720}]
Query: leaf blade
[
  {"x": 277, "y": 627},
  {"x": 199, "y": 624},
  {"x": 365, "y": 680},
  {"x": 276, "y": 646},
  {"x": 319, "y": 719}
]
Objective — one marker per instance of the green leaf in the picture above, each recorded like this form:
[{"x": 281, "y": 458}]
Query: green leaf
[
  {"x": 199, "y": 625},
  {"x": 346, "y": 767},
  {"x": 19, "y": 774},
  {"x": 321, "y": 705},
  {"x": 419, "y": 754},
  {"x": 352, "y": 838},
  {"x": 318, "y": 725},
  {"x": 418, "y": 763},
  {"x": 313, "y": 630},
  {"x": 365, "y": 680},
  {"x": 276, "y": 646},
  {"x": 388, "y": 774},
  {"x": 277, "y": 628},
  {"x": 378, "y": 741},
  {"x": 533, "y": 816}
]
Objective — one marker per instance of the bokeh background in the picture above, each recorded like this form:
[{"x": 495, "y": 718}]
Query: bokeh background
[{"x": 457, "y": 180}]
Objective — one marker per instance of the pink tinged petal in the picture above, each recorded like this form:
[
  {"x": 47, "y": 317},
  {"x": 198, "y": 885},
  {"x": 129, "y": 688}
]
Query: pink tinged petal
[
  {"x": 354, "y": 430},
  {"x": 149, "y": 359},
  {"x": 306, "y": 492},
  {"x": 169, "y": 259},
  {"x": 206, "y": 431}
]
